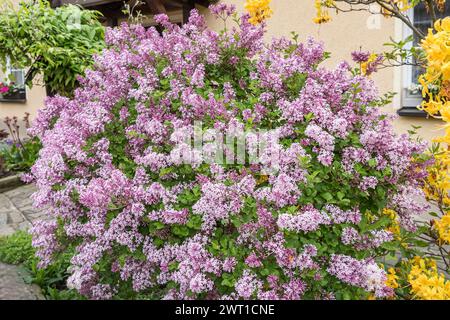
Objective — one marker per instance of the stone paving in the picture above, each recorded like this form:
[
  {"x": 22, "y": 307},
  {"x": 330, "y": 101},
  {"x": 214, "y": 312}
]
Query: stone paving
[
  {"x": 16, "y": 210},
  {"x": 17, "y": 213},
  {"x": 12, "y": 286}
]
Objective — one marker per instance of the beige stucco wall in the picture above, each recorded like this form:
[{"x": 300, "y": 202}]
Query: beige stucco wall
[{"x": 35, "y": 100}]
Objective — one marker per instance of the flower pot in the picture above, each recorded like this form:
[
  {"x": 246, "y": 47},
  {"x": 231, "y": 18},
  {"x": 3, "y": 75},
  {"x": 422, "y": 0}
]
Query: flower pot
[{"x": 16, "y": 96}]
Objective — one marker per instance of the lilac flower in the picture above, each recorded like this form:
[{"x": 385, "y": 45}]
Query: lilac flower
[
  {"x": 199, "y": 283},
  {"x": 309, "y": 220},
  {"x": 360, "y": 56},
  {"x": 44, "y": 240},
  {"x": 253, "y": 261},
  {"x": 198, "y": 76},
  {"x": 340, "y": 216},
  {"x": 294, "y": 289},
  {"x": 379, "y": 237},
  {"x": 222, "y": 9},
  {"x": 368, "y": 183},
  {"x": 408, "y": 206},
  {"x": 373, "y": 65},
  {"x": 228, "y": 92},
  {"x": 362, "y": 273},
  {"x": 346, "y": 269},
  {"x": 170, "y": 216},
  {"x": 325, "y": 141},
  {"x": 229, "y": 264},
  {"x": 102, "y": 292},
  {"x": 350, "y": 236},
  {"x": 247, "y": 285}
]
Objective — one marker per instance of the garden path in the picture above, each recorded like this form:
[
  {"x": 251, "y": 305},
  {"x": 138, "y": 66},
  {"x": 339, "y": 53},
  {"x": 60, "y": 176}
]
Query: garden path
[
  {"x": 17, "y": 213},
  {"x": 13, "y": 287},
  {"x": 16, "y": 210}
]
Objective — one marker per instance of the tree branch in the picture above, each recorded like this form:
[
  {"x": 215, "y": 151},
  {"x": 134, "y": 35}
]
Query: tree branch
[
  {"x": 430, "y": 5},
  {"x": 389, "y": 6}
]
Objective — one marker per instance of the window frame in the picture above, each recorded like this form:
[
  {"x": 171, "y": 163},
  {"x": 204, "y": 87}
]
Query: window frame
[{"x": 409, "y": 102}]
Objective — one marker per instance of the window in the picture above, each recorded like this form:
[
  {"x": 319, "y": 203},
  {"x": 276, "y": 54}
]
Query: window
[
  {"x": 411, "y": 95},
  {"x": 17, "y": 75}
]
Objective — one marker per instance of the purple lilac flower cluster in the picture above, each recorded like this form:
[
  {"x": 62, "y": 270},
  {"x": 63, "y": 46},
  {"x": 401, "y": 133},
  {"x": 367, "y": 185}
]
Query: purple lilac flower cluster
[
  {"x": 139, "y": 218},
  {"x": 362, "y": 273}
]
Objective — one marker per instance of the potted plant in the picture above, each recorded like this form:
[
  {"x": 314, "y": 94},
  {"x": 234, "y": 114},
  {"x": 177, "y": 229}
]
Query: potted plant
[
  {"x": 416, "y": 89},
  {"x": 12, "y": 91}
]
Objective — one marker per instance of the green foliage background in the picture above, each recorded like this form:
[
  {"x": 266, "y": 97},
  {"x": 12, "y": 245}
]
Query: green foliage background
[{"x": 57, "y": 43}]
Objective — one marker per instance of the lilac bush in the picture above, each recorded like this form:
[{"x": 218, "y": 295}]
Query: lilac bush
[{"x": 145, "y": 224}]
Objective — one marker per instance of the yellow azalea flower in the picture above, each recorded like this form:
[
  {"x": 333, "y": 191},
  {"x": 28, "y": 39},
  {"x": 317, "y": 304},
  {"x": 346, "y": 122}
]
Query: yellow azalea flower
[
  {"x": 322, "y": 15},
  {"x": 370, "y": 217},
  {"x": 440, "y": 5},
  {"x": 259, "y": 10},
  {"x": 364, "y": 65},
  {"x": 438, "y": 180},
  {"x": 403, "y": 5},
  {"x": 426, "y": 283},
  {"x": 443, "y": 228},
  {"x": 392, "y": 278},
  {"x": 405, "y": 245},
  {"x": 437, "y": 49},
  {"x": 390, "y": 213},
  {"x": 262, "y": 178},
  {"x": 394, "y": 228}
]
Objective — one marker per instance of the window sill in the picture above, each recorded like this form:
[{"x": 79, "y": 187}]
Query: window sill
[
  {"x": 16, "y": 97},
  {"x": 411, "y": 112}
]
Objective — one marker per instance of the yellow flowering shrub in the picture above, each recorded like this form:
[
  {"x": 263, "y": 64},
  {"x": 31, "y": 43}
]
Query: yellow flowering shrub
[
  {"x": 438, "y": 180},
  {"x": 259, "y": 10},
  {"x": 426, "y": 283},
  {"x": 418, "y": 279},
  {"x": 437, "y": 49},
  {"x": 443, "y": 228}
]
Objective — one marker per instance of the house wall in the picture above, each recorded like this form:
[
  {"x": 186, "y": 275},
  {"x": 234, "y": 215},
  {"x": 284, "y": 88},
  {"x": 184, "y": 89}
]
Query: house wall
[{"x": 35, "y": 100}]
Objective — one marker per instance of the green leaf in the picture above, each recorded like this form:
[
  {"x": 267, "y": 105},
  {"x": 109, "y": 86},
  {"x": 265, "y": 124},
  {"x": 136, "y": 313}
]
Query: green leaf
[
  {"x": 327, "y": 196},
  {"x": 380, "y": 223},
  {"x": 433, "y": 214},
  {"x": 182, "y": 231}
]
